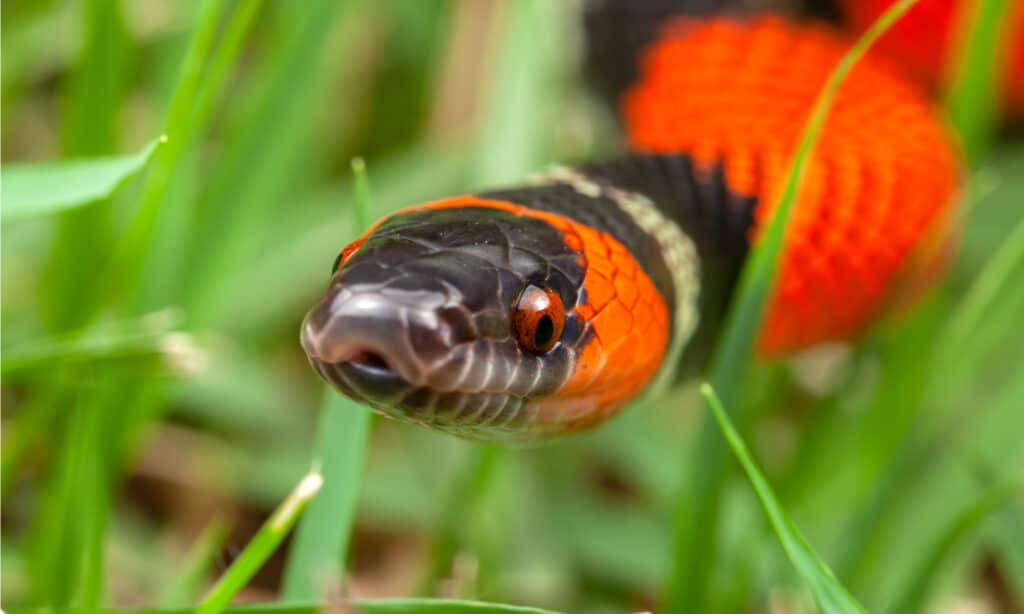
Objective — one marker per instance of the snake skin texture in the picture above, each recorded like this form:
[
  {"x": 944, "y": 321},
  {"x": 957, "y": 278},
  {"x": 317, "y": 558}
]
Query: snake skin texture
[{"x": 543, "y": 309}]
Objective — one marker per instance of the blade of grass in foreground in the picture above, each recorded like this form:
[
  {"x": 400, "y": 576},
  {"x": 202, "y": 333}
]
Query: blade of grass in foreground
[
  {"x": 697, "y": 515},
  {"x": 441, "y": 606},
  {"x": 32, "y": 190},
  {"x": 828, "y": 593},
  {"x": 262, "y": 545},
  {"x": 364, "y": 606},
  {"x": 321, "y": 542},
  {"x": 320, "y": 546},
  {"x": 186, "y": 585}
]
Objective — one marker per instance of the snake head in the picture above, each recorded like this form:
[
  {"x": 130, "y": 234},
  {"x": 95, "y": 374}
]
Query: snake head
[{"x": 467, "y": 316}]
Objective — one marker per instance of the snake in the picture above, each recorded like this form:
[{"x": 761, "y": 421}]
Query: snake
[{"x": 540, "y": 310}]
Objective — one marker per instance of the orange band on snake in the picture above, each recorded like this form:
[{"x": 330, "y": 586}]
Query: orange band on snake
[{"x": 541, "y": 310}]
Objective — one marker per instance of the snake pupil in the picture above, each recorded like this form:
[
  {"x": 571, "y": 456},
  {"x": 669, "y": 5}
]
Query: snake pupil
[{"x": 545, "y": 330}]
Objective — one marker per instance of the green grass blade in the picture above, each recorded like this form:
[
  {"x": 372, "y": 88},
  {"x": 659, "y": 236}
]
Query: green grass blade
[
  {"x": 25, "y": 430},
  {"x": 826, "y": 589},
  {"x": 869, "y": 525},
  {"x": 256, "y": 172},
  {"x": 1004, "y": 267},
  {"x": 441, "y": 606},
  {"x": 130, "y": 251},
  {"x": 973, "y": 98},
  {"x": 363, "y": 606},
  {"x": 262, "y": 545},
  {"x": 90, "y": 128},
  {"x": 912, "y": 598},
  {"x": 68, "y": 552},
  {"x": 131, "y": 340},
  {"x": 98, "y": 83},
  {"x": 320, "y": 548},
  {"x": 759, "y": 272},
  {"x": 697, "y": 514},
  {"x": 188, "y": 582},
  {"x": 513, "y": 137},
  {"x": 33, "y": 190},
  {"x": 361, "y": 207},
  {"x": 223, "y": 60}
]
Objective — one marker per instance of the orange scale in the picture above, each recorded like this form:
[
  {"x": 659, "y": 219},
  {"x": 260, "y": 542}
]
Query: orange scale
[
  {"x": 617, "y": 250},
  {"x": 602, "y": 265},
  {"x": 590, "y": 364},
  {"x": 585, "y": 311},
  {"x": 613, "y": 324},
  {"x": 573, "y": 242},
  {"x": 592, "y": 241},
  {"x": 626, "y": 290},
  {"x": 600, "y": 290}
]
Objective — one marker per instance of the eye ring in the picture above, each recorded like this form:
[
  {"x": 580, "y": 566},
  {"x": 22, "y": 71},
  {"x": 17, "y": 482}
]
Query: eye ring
[{"x": 538, "y": 318}]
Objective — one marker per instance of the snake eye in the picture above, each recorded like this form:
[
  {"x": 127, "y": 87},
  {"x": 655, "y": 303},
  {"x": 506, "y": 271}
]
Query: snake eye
[{"x": 537, "y": 319}]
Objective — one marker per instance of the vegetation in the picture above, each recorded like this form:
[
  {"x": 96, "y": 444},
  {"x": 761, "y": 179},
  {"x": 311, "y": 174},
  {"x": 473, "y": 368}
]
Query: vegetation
[{"x": 178, "y": 178}]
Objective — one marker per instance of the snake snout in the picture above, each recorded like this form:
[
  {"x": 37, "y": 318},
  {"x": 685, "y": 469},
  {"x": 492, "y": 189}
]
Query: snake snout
[{"x": 372, "y": 343}]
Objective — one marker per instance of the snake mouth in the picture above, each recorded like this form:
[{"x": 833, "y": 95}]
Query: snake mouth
[
  {"x": 367, "y": 377},
  {"x": 372, "y": 363}
]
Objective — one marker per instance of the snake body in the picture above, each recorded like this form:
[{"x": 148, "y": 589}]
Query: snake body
[{"x": 542, "y": 309}]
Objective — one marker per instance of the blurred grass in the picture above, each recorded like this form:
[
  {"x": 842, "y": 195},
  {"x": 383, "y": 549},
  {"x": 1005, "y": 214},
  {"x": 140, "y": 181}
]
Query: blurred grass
[
  {"x": 262, "y": 545},
  {"x": 698, "y": 512},
  {"x": 319, "y": 550},
  {"x": 122, "y": 442},
  {"x": 973, "y": 99},
  {"x": 828, "y": 593},
  {"x": 189, "y": 580}
]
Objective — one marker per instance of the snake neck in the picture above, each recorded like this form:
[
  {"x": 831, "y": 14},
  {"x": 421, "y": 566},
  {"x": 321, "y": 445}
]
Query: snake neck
[{"x": 682, "y": 224}]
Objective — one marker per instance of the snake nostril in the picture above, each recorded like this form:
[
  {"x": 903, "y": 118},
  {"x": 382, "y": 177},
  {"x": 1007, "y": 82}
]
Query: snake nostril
[{"x": 371, "y": 361}]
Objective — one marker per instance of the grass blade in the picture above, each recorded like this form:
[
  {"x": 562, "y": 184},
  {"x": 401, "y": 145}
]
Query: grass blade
[
  {"x": 361, "y": 186},
  {"x": 697, "y": 515},
  {"x": 321, "y": 542},
  {"x": 256, "y": 171},
  {"x": 512, "y": 138},
  {"x": 868, "y": 527},
  {"x": 364, "y": 606},
  {"x": 33, "y": 190},
  {"x": 991, "y": 282},
  {"x": 93, "y": 100},
  {"x": 826, "y": 589},
  {"x": 973, "y": 98},
  {"x": 262, "y": 545},
  {"x": 130, "y": 251},
  {"x": 129, "y": 340},
  {"x": 912, "y": 598},
  {"x": 441, "y": 606},
  {"x": 186, "y": 585}
]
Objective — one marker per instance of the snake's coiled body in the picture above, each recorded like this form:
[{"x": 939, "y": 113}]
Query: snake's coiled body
[{"x": 541, "y": 310}]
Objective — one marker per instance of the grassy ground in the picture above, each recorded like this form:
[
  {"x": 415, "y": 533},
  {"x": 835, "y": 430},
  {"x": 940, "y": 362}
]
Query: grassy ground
[{"x": 157, "y": 407}]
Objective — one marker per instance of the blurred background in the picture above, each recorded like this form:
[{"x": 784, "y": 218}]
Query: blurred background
[{"x": 157, "y": 406}]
